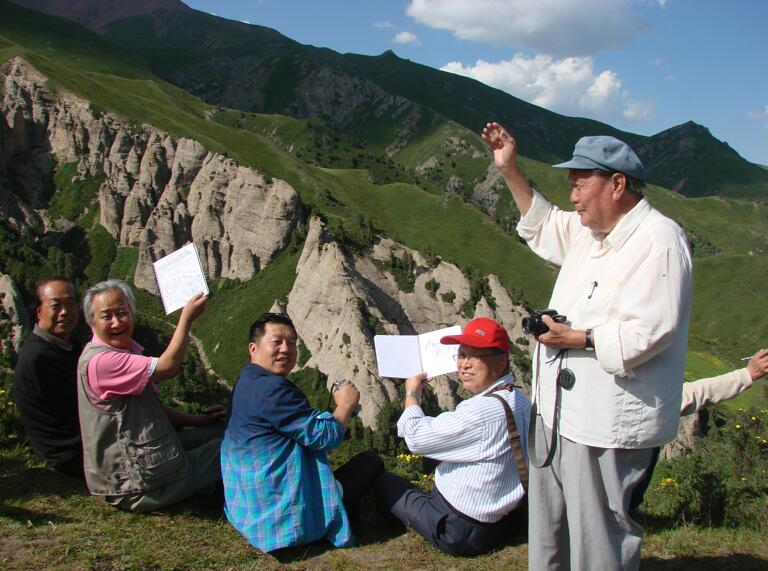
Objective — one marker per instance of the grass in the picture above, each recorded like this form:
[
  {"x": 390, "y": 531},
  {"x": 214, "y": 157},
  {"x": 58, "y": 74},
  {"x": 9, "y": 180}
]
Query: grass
[
  {"x": 49, "y": 521},
  {"x": 728, "y": 310},
  {"x": 81, "y": 63},
  {"x": 225, "y": 332}
]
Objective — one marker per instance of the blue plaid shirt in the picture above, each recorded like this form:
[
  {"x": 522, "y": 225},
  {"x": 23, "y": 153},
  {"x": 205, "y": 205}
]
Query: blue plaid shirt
[{"x": 279, "y": 488}]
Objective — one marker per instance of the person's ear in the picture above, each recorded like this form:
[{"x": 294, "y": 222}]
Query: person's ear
[{"x": 619, "y": 183}]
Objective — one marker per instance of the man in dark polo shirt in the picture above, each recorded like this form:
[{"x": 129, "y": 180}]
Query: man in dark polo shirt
[{"x": 45, "y": 379}]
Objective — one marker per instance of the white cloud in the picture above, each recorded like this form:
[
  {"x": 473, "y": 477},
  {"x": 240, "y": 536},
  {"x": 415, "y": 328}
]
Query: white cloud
[
  {"x": 383, "y": 24},
  {"x": 568, "y": 85},
  {"x": 760, "y": 116},
  {"x": 636, "y": 111},
  {"x": 557, "y": 27},
  {"x": 406, "y": 38}
]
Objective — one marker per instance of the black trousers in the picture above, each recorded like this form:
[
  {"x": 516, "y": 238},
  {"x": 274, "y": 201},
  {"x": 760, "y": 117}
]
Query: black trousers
[
  {"x": 446, "y": 528},
  {"x": 357, "y": 477}
]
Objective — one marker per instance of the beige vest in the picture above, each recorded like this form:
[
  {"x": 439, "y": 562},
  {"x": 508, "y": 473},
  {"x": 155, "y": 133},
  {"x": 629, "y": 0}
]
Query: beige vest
[{"x": 129, "y": 444}]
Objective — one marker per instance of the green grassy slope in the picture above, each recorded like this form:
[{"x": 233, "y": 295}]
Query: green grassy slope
[
  {"x": 729, "y": 281},
  {"x": 257, "y": 69},
  {"x": 48, "y": 521}
]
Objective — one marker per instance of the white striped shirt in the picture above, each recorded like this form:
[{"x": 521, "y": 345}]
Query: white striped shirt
[{"x": 477, "y": 474}]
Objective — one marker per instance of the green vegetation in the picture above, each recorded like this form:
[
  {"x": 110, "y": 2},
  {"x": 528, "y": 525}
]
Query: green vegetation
[
  {"x": 224, "y": 331},
  {"x": 48, "y": 521},
  {"x": 432, "y": 286},
  {"x": 402, "y": 267},
  {"x": 721, "y": 482},
  {"x": 73, "y": 192},
  {"x": 346, "y": 178}
]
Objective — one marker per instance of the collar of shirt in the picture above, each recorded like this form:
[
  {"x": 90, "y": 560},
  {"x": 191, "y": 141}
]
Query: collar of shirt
[
  {"x": 506, "y": 379},
  {"x": 627, "y": 225},
  {"x": 135, "y": 347},
  {"x": 58, "y": 341}
]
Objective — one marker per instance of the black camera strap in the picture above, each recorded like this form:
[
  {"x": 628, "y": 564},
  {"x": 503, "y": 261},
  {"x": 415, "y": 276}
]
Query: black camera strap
[{"x": 565, "y": 380}]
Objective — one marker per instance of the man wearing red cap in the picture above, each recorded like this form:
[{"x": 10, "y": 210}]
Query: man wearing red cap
[{"x": 479, "y": 495}]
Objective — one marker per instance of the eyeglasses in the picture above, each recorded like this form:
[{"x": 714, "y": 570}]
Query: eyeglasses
[{"x": 476, "y": 356}]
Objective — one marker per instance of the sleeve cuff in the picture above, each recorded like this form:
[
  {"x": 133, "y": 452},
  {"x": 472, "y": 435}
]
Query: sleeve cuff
[
  {"x": 744, "y": 378},
  {"x": 529, "y": 224},
  {"x": 608, "y": 349},
  {"x": 152, "y": 366}
]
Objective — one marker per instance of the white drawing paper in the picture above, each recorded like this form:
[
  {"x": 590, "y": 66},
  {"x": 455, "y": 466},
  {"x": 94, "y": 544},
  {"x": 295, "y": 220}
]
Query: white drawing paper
[
  {"x": 402, "y": 356},
  {"x": 179, "y": 277}
]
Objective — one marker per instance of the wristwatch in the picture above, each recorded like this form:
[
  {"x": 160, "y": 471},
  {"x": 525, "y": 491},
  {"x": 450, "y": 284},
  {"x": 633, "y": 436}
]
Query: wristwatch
[
  {"x": 589, "y": 345},
  {"x": 413, "y": 395}
]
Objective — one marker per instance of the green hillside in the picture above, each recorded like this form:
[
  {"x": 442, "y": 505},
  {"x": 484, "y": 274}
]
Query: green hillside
[
  {"x": 705, "y": 510},
  {"x": 253, "y": 68},
  {"x": 731, "y": 234}
]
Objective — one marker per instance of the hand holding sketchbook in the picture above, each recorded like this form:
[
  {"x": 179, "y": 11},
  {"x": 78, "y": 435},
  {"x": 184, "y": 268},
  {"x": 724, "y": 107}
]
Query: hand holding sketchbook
[
  {"x": 402, "y": 356},
  {"x": 179, "y": 277}
]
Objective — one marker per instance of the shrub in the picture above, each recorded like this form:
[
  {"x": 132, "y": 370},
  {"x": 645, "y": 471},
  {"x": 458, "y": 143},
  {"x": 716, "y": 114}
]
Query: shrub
[
  {"x": 432, "y": 286},
  {"x": 304, "y": 354},
  {"x": 448, "y": 297},
  {"x": 723, "y": 481}
]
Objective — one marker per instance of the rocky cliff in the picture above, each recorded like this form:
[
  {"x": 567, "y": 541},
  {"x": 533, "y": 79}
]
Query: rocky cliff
[
  {"x": 160, "y": 191},
  {"x": 14, "y": 318}
]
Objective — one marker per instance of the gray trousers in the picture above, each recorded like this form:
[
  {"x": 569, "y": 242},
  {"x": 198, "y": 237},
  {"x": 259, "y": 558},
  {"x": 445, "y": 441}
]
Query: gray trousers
[
  {"x": 578, "y": 516},
  {"x": 202, "y": 446}
]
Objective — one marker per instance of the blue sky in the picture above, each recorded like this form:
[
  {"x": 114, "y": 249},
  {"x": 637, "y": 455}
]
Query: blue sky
[{"x": 641, "y": 65}]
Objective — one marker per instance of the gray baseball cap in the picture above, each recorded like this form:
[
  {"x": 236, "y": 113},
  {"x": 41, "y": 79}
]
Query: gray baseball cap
[{"x": 605, "y": 153}]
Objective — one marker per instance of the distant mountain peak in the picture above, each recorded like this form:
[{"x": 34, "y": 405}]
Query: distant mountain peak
[{"x": 96, "y": 15}]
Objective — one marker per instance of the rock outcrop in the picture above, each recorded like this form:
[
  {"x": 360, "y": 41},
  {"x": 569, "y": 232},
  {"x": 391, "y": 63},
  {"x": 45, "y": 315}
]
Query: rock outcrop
[
  {"x": 337, "y": 299},
  {"x": 13, "y": 314},
  {"x": 160, "y": 191}
]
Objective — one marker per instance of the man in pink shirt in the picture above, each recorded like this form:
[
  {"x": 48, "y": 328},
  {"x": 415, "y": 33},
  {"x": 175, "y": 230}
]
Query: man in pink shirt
[{"x": 134, "y": 455}]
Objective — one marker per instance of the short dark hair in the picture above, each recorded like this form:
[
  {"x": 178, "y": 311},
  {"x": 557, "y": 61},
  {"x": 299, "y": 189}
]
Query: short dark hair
[
  {"x": 258, "y": 327},
  {"x": 39, "y": 291},
  {"x": 635, "y": 186}
]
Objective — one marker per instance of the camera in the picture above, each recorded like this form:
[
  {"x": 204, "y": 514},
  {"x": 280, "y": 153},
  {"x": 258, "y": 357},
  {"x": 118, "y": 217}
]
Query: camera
[{"x": 534, "y": 324}]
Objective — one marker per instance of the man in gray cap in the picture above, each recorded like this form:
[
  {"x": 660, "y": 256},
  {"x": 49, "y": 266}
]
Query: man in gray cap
[{"x": 607, "y": 383}]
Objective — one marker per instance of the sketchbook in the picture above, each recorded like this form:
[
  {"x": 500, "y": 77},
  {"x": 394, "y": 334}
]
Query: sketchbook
[
  {"x": 179, "y": 277},
  {"x": 402, "y": 356}
]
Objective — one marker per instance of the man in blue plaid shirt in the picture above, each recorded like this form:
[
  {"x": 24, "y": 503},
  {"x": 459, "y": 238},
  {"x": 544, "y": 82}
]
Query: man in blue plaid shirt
[{"x": 278, "y": 484}]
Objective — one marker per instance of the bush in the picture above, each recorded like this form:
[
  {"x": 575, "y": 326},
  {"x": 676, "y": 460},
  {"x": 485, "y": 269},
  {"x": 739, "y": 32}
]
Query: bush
[
  {"x": 432, "y": 286},
  {"x": 304, "y": 354},
  {"x": 724, "y": 481},
  {"x": 448, "y": 297}
]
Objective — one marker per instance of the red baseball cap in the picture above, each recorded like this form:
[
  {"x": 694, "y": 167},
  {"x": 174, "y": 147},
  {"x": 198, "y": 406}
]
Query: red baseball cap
[{"x": 481, "y": 332}]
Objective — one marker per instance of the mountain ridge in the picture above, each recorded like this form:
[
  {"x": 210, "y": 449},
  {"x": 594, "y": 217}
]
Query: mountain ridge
[
  {"x": 423, "y": 210},
  {"x": 256, "y": 69}
]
